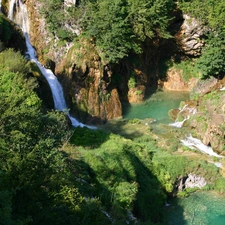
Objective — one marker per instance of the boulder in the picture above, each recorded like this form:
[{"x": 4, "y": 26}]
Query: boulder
[
  {"x": 189, "y": 36},
  {"x": 194, "y": 181}
]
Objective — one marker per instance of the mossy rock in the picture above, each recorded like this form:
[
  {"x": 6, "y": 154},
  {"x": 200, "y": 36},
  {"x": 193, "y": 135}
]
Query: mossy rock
[
  {"x": 11, "y": 35},
  {"x": 173, "y": 114},
  {"x": 34, "y": 69}
]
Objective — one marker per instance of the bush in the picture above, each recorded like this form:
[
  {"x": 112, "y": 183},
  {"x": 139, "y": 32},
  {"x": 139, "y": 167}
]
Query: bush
[{"x": 13, "y": 62}]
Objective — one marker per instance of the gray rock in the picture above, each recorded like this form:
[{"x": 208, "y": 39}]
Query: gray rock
[
  {"x": 190, "y": 35},
  {"x": 194, "y": 181},
  {"x": 205, "y": 86}
]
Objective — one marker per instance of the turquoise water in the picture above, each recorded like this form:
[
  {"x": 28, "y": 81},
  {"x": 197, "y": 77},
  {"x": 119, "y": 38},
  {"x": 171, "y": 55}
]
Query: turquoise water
[
  {"x": 200, "y": 208},
  {"x": 156, "y": 106}
]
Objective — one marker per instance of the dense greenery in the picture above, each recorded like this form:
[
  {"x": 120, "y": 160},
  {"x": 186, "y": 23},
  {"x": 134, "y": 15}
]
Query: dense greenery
[
  {"x": 116, "y": 27},
  {"x": 120, "y": 27},
  {"x": 10, "y": 35},
  {"x": 37, "y": 182},
  {"x": 52, "y": 174},
  {"x": 212, "y": 61},
  {"x": 96, "y": 178}
]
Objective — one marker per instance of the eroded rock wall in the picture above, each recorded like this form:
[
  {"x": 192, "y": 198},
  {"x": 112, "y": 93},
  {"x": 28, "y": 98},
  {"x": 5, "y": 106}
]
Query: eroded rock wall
[
  {"x": 208, "y": 123},
  {"x": 93, "y": 89}
]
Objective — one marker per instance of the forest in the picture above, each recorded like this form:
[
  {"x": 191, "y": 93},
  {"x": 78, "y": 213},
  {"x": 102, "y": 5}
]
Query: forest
[
  {"x": 52, "y": 173},
  {"x": 121, "y": 27}
]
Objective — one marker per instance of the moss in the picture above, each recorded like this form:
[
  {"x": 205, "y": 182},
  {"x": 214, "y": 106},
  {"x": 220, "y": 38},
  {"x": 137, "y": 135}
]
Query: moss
[{"x": 34, "y": 69}]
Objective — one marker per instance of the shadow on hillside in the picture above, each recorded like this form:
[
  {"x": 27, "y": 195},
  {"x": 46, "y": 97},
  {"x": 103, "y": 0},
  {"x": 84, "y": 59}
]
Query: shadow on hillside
[
  {"x": 128, "y": 128},
  {"x": 174, "y": 213},
  {"x": 111, "y": 176}
]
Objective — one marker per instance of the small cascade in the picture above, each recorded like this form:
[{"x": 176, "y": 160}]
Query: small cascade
[
  {"x": 0, "y": 5},
  {"x": 222, "y": 89},
  {"x": 194, "y": 143},
  {"x": 21, "y": 18},
  {"x": 179, "y": 124}
]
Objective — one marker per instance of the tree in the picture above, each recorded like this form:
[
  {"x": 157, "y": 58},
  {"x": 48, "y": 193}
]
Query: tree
[
  {"x": 31, "y": 164},
  {"x": 107, "y": 24}
]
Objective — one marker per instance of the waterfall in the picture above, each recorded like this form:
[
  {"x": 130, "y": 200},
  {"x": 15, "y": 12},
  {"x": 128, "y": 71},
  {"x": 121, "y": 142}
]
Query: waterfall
[
  {"x": 194, "y": 143},
  {"x": 21, "y": 18},
  {"x": 11, "y": 9},
  {"x": 0, "y": 5}
]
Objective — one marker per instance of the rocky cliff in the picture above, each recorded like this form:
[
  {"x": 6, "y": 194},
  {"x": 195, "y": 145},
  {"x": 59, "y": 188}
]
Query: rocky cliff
[
  {"x": 209, "y": 121},
  {"x": 95, "y": 90}
]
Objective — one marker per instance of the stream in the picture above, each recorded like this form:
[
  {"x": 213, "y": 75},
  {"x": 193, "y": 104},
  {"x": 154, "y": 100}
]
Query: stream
[{"x": 200, "y": 208}]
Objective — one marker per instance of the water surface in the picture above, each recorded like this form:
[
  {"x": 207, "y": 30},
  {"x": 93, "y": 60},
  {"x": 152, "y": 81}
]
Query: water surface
[
  {"x": 200, "y": 208},
  {"x": 156, "y": 106}
]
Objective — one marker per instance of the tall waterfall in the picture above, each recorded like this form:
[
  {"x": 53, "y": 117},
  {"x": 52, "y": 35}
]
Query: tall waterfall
[{"x": 17, "y": 8}]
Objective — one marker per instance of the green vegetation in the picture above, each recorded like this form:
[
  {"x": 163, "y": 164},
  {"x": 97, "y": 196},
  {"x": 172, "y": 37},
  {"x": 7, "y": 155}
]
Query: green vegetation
[
  {"x": 115, "y": 27},
  {"x": 10, "y": 35},
  {"x": 57, "y": 16},
  {"x": 53, "y": 174},
  {"x": 211, "y": 62},
  {"x": 94, "y": 178},
  {"x": 36, "y": 178}
]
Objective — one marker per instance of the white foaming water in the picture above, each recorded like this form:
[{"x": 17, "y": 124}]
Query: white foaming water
[
  {"x": 22, "y": 20},
  {"x": 11, "y": 9},
  {"x": 0, "y": 5},
  {"x": 194, "y": 143},
  {"x": 222, "y": 89},
  {"x": 179, "y": 124}
]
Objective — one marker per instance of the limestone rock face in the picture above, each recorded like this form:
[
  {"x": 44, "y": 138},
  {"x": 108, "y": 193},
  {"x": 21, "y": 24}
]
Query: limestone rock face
[
  {"x": 175, "y": 82},
  {"x": 209, "y": 121},
  {"x": 85, "y": 84},
  {"x": 189, "y": 36},
  {"x": 195, "y": 181},
  {"x": 205, "y": 86},
  {"x": 69, "y": 2},
  {"x": 93, "y": 98},
  {"x": 190, "y": 181}
]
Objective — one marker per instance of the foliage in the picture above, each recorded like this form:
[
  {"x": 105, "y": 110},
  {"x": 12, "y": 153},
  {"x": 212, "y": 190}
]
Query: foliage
[
  {"x": 37, "y": 179},
  {"x": 121, "y": 176},
  {"x": 57, "y": 17},
  {"x": 106, "y": 22},
  {"x": 150, "y": 18},
  {"x": 211, "y": 63},
  {"x": 115, "y": 27},
  {"x": 220, "y": 185},
  {"x": 13, "y": 61},
  {"x": 11, "y": 35},
  {"x": 131, "y": 82},
  {"x": 5, "y": 30},
  {"x": 119, "y": 26}
]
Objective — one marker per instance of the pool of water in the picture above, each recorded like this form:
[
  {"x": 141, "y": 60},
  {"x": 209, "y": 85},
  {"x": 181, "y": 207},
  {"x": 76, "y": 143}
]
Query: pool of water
[
  {"x": 200, "y": 208},
  {"x": 156, "y": 106}
]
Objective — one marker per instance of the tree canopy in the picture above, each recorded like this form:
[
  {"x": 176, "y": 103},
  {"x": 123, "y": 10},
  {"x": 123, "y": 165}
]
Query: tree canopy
[
  {"x": 116, "y": 27},
  {"x": 212, "y": 60}
]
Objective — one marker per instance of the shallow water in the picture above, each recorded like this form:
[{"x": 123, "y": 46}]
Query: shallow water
[
  {"x": 200, "y": 208},
  {"x": 156, "y": 106}
]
